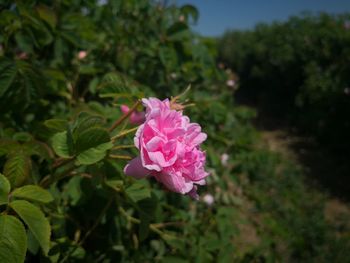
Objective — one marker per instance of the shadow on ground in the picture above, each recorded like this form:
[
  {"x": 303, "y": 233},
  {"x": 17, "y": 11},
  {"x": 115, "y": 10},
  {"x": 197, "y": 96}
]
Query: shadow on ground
[{"x": 327, "y": 170}]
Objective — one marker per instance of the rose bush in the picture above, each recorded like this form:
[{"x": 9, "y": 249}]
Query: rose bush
[{"x": 64, "y": 143}]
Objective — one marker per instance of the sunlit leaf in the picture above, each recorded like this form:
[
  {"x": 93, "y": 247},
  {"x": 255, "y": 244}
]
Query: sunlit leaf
[
  {"x": 57, "y": 125},
  {"x": 13, "y": 240},
  {"x": 91, "y": 138},
  {"x": 5, "y": 188},
  {"x": 137, "y": 191},
  {"x": 33, "y": 193},
  {"x": 60, "y": 144},
  {"x": 94, "y": 155},
  {"x": 17, "y": 168},
  {"x": 35, "y": 220}
]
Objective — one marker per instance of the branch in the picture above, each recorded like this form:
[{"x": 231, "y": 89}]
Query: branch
[{"x": 126, "y": 115}]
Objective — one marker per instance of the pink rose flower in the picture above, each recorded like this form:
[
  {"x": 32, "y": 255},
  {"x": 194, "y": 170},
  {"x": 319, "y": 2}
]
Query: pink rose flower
[
  {"x": 136, "y": 117},
  {"x": 169, "y": 149}
]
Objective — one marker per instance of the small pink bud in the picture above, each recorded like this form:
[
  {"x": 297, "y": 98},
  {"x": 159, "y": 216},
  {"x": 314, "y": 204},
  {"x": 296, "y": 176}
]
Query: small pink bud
[
  {"x": 136, "y": 117},
  {"x": 82, "y": 54},
  {"x": 182, "y": 18}
]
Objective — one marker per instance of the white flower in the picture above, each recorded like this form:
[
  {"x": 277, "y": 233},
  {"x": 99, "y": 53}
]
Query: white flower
[
  {"x": 230, "y": 83},
  {"x": 224, "y": 158},
  {"x": 208, "y": 199}
]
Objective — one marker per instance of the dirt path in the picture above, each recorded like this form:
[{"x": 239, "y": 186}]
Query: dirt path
[{"x": 302, "y": 151}]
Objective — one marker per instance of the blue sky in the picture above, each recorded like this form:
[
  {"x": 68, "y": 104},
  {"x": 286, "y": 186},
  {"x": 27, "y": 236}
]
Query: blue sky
[{"x": 218, "y": 15}]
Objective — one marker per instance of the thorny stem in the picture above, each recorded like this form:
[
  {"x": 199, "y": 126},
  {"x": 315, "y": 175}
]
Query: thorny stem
[
  {"x": 47, "y": 180},
  {"x": 61, "y": 161},
  {"x": 125, "y": 116},
  {"x": 118, "y": 147},
  {"x": 153, "y": 227},
  {"x": 123, "y": 157},
  {"x": 123, "y": 133}
]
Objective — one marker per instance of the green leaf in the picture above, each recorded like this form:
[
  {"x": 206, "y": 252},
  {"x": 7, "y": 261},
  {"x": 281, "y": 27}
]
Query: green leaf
[
  {"x": 56, "y": 124},
  {"x": 33, "y": 193},
  {"x": 60, "y": 144},
  {"x": 5, "y": 188},
  {"x": 168, "y": 57},
  {"x": 13, "y": 240},
  {"x": 138, "y": 191},
  {"x": 74, "y": 190},
  {"x": 37, "y": 148},
  {"x": 47, "y": 14},
  {"x": 119, "y": 85},
  {"x": 17, "y": 168},
  {"x": 24, "y": 41},
  {"x": 116, "y": 185},
  {"x": 91, "y": 138},
  {"x": 144, "y": 228},
  {"x": 7, "y": 146},
  {"x": 35, "y": 220},
  {"x": 113, "y": 83},
  {"x": 84, "y": 122},
  {"x": 93, "y": 155},
  {"x": 178, "y": 31},
  {"x": 22, "y": 136},
  {"x": 8, "y": 73},
  {"x": 33, "y": 244},
  {"x": 190, "y": 10}
]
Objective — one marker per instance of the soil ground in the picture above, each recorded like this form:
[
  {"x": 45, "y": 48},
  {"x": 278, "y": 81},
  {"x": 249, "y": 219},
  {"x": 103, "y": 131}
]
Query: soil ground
[{"x": 305, "y": 153}]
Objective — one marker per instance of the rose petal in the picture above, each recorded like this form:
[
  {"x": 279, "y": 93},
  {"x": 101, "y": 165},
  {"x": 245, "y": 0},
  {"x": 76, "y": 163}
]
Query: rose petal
[
  {"x": 135, "y": 169},
  {"x": 175, "y": 182},
  {"x": 193, "y": 193}
]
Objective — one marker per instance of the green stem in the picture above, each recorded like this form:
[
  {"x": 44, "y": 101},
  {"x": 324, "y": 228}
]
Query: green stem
[
  {"x": 50, "y": 179},
  {"x": 123, "y": 157},
  {"x": 123, "y": 133},
  {"x": 118, "y": 147},
  {"x": 153, "y": 227}
]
